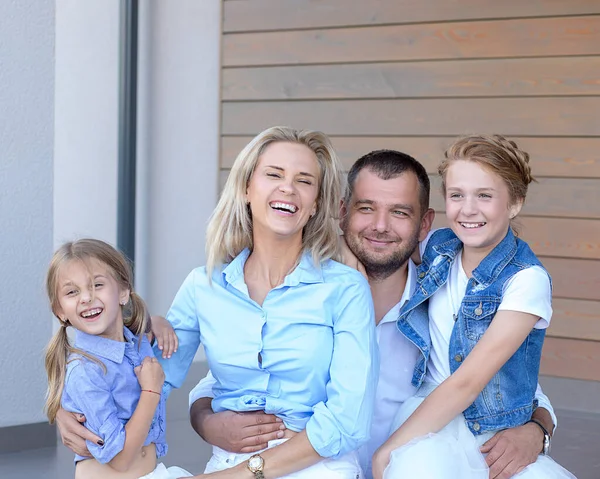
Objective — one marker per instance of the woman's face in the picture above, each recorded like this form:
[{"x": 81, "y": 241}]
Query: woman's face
[
  {"x": 478, "y": 205},
  {"x": 283, "y": 190}
]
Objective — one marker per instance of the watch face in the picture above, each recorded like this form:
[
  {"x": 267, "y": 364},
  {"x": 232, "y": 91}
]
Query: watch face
[{"x": 255, "y": 463}]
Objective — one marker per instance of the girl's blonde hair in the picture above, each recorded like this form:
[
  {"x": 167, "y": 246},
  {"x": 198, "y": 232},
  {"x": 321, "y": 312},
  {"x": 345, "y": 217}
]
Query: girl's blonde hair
[
  {"x": 496, "y": 153},
  {"x": 230, "y": 226},
  {"x": 135, "y": 314}
]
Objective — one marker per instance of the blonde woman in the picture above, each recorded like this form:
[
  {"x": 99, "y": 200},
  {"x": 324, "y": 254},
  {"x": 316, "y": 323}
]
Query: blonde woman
[{"x": 286, "y": 329}]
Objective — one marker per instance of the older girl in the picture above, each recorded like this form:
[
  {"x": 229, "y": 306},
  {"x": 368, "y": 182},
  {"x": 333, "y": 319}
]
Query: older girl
[{"x": 478, "y": 316}]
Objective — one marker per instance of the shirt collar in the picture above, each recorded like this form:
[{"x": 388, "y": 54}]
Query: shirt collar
[
  {"x": 103, "y": 347},
  {"x": 411, "y": 282},
  {"x": 306, "y": 271}
]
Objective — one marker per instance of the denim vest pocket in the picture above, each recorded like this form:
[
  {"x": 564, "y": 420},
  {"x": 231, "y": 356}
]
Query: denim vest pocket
[{"x": 478, "y": 314}]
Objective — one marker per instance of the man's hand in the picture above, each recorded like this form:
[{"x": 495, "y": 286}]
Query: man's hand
[
  {"x": 512, "y": 450},
  {"x": 74, "y": 434},
  {"x": 165, "y": 336},
  {"x": 239, "y": 432}
]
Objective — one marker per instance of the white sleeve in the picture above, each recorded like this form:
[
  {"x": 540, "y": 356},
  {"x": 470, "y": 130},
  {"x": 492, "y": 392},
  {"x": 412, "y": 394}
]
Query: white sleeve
[
  {"x": 204, "y": 389},
  {"x": 529, "y": 291},
  {"x": 544, "y": 402}
]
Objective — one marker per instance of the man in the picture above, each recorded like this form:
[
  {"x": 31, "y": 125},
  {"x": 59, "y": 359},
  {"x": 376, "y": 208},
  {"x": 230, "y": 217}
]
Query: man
[{"x": 385, "y": 214}]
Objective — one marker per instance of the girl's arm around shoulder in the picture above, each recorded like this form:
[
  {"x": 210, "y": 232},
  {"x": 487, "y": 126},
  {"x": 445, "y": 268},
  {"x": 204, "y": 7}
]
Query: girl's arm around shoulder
[{"x": 505, "y": 334}]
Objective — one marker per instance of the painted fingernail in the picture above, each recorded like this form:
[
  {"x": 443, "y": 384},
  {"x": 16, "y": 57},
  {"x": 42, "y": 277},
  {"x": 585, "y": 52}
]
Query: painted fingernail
[
  {"x": 278, "y": 419},
  {"x": 282, "y": 427},
  {"x": 100, "y": 442},
  {"x": 280, "y": 434}
]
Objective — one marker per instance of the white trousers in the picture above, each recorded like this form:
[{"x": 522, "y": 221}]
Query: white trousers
[
  {"x": 346, "y": 467},
  {"x": 453, "y": 453},
  {"x": 161, "y": 472}
]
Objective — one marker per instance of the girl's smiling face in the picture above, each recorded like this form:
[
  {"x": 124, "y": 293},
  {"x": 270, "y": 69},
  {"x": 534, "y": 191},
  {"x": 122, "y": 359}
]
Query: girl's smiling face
[
  {"x": 478, "y": 205},
  {"x": 90, "y": 299}
]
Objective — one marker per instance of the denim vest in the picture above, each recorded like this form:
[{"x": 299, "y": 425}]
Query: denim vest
[{"x": 508, "y": 399}]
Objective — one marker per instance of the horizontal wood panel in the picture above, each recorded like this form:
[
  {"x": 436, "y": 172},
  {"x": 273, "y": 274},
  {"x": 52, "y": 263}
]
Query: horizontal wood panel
[
  {"x": 566, "y": 157},
  {"x": 558, "y": 237},
  {"x": 564, "y": 197},
  {"x": 460, "y": 78},
  {"x": 574, "y": 278},
  {"x": 242, "y": 15},
  {"x": 570, "y": 358},
  {"x": 485, "y": 39},
  {"x": 574, "y": 116},
  {"x": 575, "y": 319}
]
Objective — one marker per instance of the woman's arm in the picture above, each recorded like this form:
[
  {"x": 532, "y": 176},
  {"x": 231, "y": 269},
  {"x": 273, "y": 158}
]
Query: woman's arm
[
  {"x": 505, "y": 335},
  {"x": 184, "y": 319}
]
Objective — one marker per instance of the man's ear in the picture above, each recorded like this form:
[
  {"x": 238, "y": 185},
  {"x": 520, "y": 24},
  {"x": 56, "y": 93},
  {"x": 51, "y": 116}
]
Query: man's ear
[{"x": 426, "y": 224}]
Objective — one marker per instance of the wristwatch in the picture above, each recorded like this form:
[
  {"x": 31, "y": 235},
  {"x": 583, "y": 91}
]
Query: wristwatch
[
  {"x": 547, "y": 438},
  {"x": 256, "y": 465}
]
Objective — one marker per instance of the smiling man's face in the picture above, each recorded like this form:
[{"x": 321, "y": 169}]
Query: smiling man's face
[{"x": 382, "y": 222}]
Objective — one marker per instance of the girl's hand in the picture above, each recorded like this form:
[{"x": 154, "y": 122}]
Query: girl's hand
[
  {"x": 165, "y": 336},
  {"x": 150, "y": 374},
  {"x": 381, "y": 459}
]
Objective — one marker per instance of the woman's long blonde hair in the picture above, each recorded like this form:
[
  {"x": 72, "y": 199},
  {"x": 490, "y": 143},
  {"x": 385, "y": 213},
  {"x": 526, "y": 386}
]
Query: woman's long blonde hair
[
  {"x": 230, "y": 226},
  {"x": 135, "y": 314}
]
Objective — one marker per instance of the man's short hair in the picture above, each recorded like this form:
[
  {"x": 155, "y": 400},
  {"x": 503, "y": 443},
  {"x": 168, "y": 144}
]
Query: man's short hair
[{"x": 388, "y": 164}]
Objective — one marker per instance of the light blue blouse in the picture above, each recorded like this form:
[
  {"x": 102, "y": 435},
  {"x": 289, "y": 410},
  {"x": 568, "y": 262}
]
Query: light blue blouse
[
  {"x": 308, "y": 354},
  {"x": 109, "y": 399}
]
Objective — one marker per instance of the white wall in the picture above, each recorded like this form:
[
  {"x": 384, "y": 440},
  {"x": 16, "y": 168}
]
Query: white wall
[
  {"x": 86, "y": 120},
  {"x": 26, "y": 139},
  {"x": 178, "y": 147}
]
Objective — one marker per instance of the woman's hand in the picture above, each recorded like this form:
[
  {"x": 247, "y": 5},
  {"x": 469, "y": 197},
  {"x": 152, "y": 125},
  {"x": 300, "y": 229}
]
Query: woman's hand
[
  {"x": 150, "y": 374},
  {"x": 165, "y": 336},
  {"x": 349, "y": 259},
  {"x": 73, "y": 434},
  {"x": 381, "y": 459}
]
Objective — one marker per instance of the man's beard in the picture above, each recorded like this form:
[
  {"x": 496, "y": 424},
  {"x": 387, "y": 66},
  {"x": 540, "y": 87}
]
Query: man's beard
[{"x": 377, "y": 267}]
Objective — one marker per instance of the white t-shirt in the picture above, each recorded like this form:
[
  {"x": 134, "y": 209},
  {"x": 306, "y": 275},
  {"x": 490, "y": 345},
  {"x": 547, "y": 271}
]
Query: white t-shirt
[{"x": 528, "y": 291}]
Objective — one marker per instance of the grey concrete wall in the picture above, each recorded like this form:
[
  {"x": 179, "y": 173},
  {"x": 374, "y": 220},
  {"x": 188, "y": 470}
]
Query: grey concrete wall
[{"x": 26, "y": 155}]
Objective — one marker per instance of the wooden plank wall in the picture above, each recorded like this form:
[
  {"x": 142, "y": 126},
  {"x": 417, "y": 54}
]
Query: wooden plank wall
[{"x": 412, "y": 74}]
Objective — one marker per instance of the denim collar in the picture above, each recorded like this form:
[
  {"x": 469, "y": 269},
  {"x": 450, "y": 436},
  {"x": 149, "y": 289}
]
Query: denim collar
[
  {"x": 307, "y": 270},
  {"x": 491, "y": 266},
  {"x": 107, "y": 348}
]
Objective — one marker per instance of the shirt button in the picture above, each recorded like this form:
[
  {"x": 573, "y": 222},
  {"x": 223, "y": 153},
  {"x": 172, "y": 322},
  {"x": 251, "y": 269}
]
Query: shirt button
[
  {"x": 458, "y": 358},
  {"x": 421, "y": 275},
  {"x": 476, "y": 426}
]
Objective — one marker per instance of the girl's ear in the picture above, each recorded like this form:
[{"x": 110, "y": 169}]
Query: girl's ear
[
  {"x": 124, "y": 297},
  {"x": 515, "y": 209}
]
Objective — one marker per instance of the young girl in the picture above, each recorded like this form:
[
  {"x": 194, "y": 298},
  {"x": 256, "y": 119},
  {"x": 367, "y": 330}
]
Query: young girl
[
  {"x": 110, "y": 374},
  {"x": 478, "y": 316}
]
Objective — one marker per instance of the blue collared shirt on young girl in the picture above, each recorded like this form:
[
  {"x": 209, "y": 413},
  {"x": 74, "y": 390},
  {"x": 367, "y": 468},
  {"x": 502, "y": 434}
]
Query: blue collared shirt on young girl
[
  {"x": 308, "y": 354},
  {"x": 108, "y": 399}
]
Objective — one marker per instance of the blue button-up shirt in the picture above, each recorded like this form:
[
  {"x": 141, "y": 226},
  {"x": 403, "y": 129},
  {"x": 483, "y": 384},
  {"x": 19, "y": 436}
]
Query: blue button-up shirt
[
  {"x": 109, "y": 399},
  {"x": 308, "y": 354}
]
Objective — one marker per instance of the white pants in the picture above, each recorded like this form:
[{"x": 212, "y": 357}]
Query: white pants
[
  {"x": 161, "y": 472},
  {"x": 346, "y": 467},
  {"x": 453, "y": 453}
]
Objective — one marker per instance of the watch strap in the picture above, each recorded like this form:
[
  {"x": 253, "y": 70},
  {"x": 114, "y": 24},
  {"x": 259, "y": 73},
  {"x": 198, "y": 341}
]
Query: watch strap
[{"x": 546, "y": 446}]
